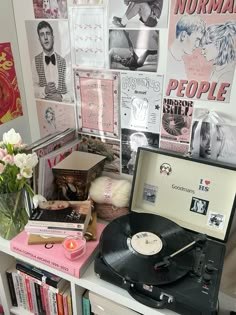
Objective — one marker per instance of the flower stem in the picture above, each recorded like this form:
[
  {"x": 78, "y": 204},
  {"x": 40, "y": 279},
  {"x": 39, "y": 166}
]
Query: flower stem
[{"x": 18, "y": 195}]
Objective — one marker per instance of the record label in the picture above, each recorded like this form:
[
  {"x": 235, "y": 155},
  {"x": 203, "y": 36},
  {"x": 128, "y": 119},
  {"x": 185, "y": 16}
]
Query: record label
[{"x": 146, "y": 243}]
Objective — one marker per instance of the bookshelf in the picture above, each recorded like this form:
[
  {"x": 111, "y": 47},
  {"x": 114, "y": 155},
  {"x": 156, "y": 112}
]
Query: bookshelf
[{"x": 89, "y": 281}]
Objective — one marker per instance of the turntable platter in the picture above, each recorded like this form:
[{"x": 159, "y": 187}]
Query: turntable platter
[{"x": 132, "y": 244}]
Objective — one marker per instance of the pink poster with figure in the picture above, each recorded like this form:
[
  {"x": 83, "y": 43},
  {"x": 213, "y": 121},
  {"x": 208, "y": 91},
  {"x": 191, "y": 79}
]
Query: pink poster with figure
[
  {"x": 10, "y": 101},
  {"x": 97, "y": 95},
  {"x": 201, "y": 49}
]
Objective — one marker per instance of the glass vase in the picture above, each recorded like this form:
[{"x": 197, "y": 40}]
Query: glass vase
[{"x": 13, "y": 214}]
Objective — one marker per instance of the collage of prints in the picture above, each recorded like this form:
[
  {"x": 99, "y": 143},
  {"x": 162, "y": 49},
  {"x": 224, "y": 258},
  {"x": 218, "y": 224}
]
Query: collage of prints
[{"x": 97, "y": 65}]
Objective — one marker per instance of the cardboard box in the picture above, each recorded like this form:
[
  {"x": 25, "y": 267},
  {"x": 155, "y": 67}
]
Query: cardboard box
[
  {"x": 74, "y": 174},
  {"x": 103, "y": 306}
]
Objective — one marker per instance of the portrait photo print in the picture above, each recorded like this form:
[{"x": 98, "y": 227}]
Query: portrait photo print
[
  {"x": 49, "y": 52},
  {"x": 135, "y": 50}
]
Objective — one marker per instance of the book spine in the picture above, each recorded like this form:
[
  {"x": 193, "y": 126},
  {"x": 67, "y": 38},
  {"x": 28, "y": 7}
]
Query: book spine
[
  {"x": 23, "y": 293},
  {"x": 49, "y": 261},
  {"x": 11, "y": 288},
  {"x": 55, "y": 224},
  {"x": 52, "y": 303},
  {"x": 69, "y": 301},
  {"x": 38, "y": 230},
  {"x": 42, "y": 299},
  {"x": 27, "y": 282},
  {"x": 38, "y": 298},
  {"x": 16, "y": 282},
  {"x": 86, "y": 305},
  {"x": 36, "y": 274},
  {"x": 32, "y": 289},
  {"x": 44, "y": 285},
  {"x": 47, "y": 308},
  {"x": 60, "y": 309},
  {"x": 65, "y": 304}
]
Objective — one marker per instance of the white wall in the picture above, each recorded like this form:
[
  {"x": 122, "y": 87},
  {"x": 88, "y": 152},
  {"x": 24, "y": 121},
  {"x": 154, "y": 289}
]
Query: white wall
[
  {"x": 24, "y": 11},
  {"x": 8, "y": 34}
]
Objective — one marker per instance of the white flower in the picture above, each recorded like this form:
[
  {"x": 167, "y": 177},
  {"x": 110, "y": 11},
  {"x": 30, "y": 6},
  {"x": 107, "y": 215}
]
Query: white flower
[
  {"x": 26, "y": 172},
  {"x": 12, "y": 137},
  {"x": 23, "y": 160}
]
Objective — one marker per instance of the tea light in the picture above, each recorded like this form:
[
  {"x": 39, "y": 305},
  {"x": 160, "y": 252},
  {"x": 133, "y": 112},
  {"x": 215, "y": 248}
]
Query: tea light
[{"x": 74, "y": 247}]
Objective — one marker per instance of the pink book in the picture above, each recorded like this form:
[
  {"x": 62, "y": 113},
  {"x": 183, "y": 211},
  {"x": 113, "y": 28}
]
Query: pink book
[{"x": 53, "y": 254}]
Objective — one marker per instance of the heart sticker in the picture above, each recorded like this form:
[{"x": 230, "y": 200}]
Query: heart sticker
[{"x": 207, "y": 182}]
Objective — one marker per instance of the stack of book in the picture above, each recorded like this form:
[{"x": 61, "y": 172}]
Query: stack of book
[
  {"x": 59, "y": 219},
  {"x": 53, "y": 255},
  {"x": 38, "y": 291}
]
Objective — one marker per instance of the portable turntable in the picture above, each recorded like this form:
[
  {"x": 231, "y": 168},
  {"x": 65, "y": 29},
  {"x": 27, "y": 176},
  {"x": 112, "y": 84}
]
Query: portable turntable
[{"x": 168, "y": 252}]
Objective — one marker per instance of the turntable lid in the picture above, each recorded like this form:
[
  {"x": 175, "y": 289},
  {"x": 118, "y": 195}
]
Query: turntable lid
[{"x": 197, "y": 194}]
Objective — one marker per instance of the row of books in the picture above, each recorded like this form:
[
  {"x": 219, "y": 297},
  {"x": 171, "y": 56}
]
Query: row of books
[{"x": 38, "y": 291}]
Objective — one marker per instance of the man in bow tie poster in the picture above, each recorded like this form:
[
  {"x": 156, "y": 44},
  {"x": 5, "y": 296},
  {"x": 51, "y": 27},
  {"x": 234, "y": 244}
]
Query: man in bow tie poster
[{"x": 51, "y": 72}]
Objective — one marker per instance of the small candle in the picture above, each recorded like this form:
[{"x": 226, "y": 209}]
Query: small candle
[{"x": 74, "y": 247}]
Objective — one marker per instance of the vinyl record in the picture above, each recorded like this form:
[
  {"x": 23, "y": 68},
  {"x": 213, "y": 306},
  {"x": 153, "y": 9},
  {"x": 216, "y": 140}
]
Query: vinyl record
[{"x": 132, "y": 244}]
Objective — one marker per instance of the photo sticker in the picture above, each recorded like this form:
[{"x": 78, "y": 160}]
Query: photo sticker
[
  {"x": 199, "y": 205},
  {"x": 216, "y": 220},
  {"x": 165, "y": 169},
  {"x": 149, "y": 193}
]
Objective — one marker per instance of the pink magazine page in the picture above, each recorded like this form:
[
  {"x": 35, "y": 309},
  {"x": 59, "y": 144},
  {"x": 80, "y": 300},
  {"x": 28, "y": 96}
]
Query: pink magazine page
[
  {"x": 201, "y": 50},
  {"x": 51, "y": 116},
  {"x": 98, "y": 99}
]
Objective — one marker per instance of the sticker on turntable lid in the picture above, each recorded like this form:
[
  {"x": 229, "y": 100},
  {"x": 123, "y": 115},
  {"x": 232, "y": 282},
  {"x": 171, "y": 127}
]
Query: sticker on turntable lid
[
  {"x": 165, "y": 169},
  {"x": 216, "y": 220},
  {"x": 149, "y": 193},
  {"x": 145, "y": 243},
  {"x": 204, "y": 185},
  {"x": 199, "y": 205}
]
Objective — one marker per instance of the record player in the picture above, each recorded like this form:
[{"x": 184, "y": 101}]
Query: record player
[{"x": 168, "y": 252}]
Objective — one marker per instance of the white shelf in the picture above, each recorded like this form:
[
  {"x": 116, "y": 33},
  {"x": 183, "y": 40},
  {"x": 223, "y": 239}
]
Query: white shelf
[{"x": 88, "y": 281}]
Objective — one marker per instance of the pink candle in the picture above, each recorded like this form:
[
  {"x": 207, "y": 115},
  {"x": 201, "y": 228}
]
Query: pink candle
[{"x": 74, "y": 247}]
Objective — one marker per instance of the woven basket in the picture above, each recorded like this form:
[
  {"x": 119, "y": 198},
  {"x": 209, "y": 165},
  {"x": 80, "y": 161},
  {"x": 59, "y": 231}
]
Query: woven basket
[{"x": 109, "y": 212}]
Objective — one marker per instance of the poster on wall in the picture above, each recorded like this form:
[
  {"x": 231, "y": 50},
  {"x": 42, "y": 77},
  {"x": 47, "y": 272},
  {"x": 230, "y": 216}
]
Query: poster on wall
[
  {"x": 97, "y": 94},
  {"x": 141, "y": 101},
  {"x": 50, "y": 9},
  {"x": 212, "y": 138},
  {"x": 51, "y": 116},
  {"x": 130, "y": 141},
  {"x": 176, "y": 120},
  {"x": 201, "y": 50},
  {"x": 10, "y": 101},
  {"x": 137, "y": 14},
  {"x": 135, "y": 50},
  {"x": 49, "y": 51},
  {"x": 110, "y": 148},
  {"x": 88, "y": 37}
]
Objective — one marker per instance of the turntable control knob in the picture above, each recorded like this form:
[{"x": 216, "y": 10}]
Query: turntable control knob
[
  {"x": 207, "y": 278},
  {"x": 210, "y": 268}
]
